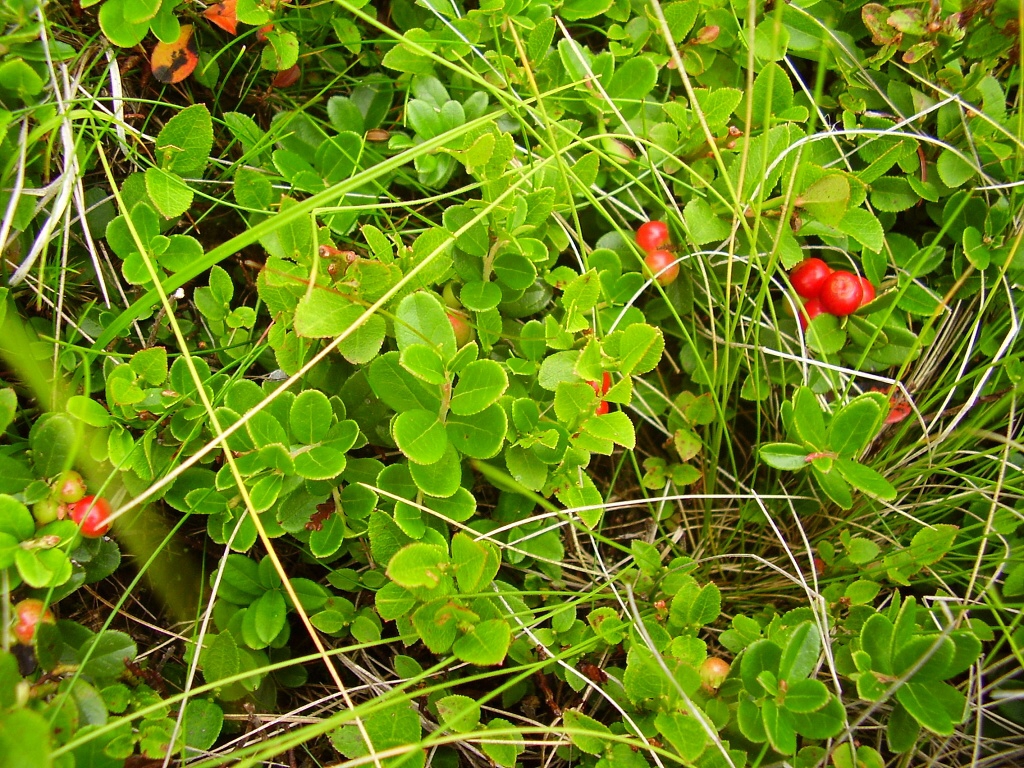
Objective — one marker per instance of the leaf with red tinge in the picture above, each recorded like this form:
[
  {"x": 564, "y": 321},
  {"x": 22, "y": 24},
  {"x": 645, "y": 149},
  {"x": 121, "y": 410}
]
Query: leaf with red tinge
[
  {"x": 173, "y": 62},
  {"x": 224, "y": 16},
  {"x": 286, "y": 77}
]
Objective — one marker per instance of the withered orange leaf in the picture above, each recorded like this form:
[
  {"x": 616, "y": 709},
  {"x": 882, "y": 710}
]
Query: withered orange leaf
[
  {"x": 223, "y": 15},
  {"x": 173, "y": 62}
]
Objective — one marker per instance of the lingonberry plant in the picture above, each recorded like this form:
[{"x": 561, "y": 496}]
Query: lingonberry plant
[{"x": 343, "y": 310}]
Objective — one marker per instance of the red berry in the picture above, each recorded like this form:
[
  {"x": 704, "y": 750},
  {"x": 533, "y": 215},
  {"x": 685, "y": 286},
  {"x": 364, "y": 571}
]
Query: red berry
[
  {"x": 810, "y": 310},
  {"x": 809, "y": 276},
  {"x": 841, "y": 294},
  {"x": 28, "y": 613},
  {"x": 70, "y": 487},
  {"x": 92, "y": 516},
  {"x": 713, "y": 673},
  {"x": 652, "y": 235},
  {"x": 463, "y": 331},
  {"x": 602, "y": 408},
  {"x": 869, "y": 291},
  {"x": 663, "y": 267}
]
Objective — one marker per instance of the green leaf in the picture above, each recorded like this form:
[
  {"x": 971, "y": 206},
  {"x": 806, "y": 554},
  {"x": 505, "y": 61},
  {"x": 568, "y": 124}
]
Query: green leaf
[
  {"x": 902, "y": 731},
  {"x": 479, "y": 296},
  {"x": 574, "y": 10},
  {"x": 931, "y": 544},
  {"x": 824, "y": 723},
  {"x": 117, "y": 28},
  {"x": 954, "y": 170},
  {"x": 503, "y": 754},
  {"x": 683, "y": 732},
  {"x": 460, "y": 713},
  {"x": 88, "y": 411},
  {"x": 442, "y": 478},
  {"x": 640, "y": 347},
  {"x": 43, "y": 568},
  {"x": 760, "y": 656},
  {"x": 25, "y": 740},
  {"x": 892, "y": 194},
  {"x": 8, "y": 405},
  {"x": 834, "y": 486},
  {"x": 424, "y": 363},
  {"x": 922, "y": 703},
  {"x": 281, "y": 51},
  {"x": 702, "y": 224},
  {"x": 827, "y": 198},
  {"x": 324, "y": 313},
  {"x": 865, "y": 479},
  {"x": 855, "y": 425},
  {"x": 183, "y": 145},
  {"x": 784, "y": 455},
  {"x": 421, "y": 319},
  {"x": 269, "y": 612},
  {"x": 418, "y": 565},
  {"x": 53, "y": 443},
  {"x": 585, "y": 732},
  {"x": 807, "y": 695},
  {"x": 777, "y": 727},
  {"x": 220, "y": 658},
  {"x": 480, "y": 384},
  {"x": 485, "y": 644},
  {"x": 614, "y": 426},
  {"x": 396, "y": 727},
  {"x": 436, "y": 624},
  {"x": 309, "y": 417},
  {"x": 632, "y": 82},
  {"x": 808, "y": 420},
  {"x": 169, "y": 193},
  {"x": 940, "y": 652},
  {"x": 103, "y": 656},
  {"x": 476, "y": 563},
  {"x": 420, "y": 435},
  {"x": 202, "y": 724},
  {"x": 479, "y": 436},
  {"x": 515, "y": 270}
]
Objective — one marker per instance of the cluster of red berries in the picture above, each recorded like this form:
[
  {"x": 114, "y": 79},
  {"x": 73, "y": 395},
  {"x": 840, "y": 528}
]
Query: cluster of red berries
[
  {"x": 838, "y": 292},
  {"x": 68, "y": 500},
  {"x": 653, "y": 237},
  {"x": 601, "y": 389}
]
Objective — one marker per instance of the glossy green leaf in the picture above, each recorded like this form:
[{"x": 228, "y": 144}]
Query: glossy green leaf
[
  {"x": 309, "y": 418},
  {"x": 424, "y": 363},
  {"x": 420, "y": 436},
  {"x": 485, "y": 644},
  {"x": 442, "y": 478},
  {"x": 585, "y": 732},
  {"x": 784, "y": 455},
  {"x": 421, "y": 319},
  {"x": 855, "y": 425},
  {"x": 169, "y": 193},
  {"x": 480, "y": 384},
  {"x": 481, "y": 435},
  {"x": 418, "y": 565},
  {"x": 806, "y": 695},
  {"x": 476, "y": 563},
  {"x": 184, "y": 143}
]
